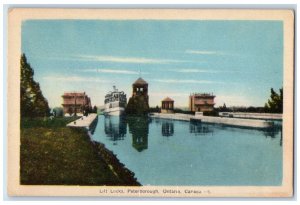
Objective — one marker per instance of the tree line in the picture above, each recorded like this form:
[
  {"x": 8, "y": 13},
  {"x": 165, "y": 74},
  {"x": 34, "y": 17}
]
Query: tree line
[{"x": 273, "y": 105}]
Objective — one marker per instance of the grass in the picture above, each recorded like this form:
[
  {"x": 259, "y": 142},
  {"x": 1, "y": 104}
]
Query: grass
[
  {"x": 46, "y": 122},
  {"x": 53, "y": 154}
]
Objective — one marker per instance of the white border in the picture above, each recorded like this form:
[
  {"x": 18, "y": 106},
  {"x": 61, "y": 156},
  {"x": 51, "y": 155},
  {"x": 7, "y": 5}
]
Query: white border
[{"x": 208, "y": 5}]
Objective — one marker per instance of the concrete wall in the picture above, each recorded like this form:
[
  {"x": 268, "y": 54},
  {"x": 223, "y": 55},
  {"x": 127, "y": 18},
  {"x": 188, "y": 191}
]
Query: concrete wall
[
  {"x": 235, "y": 121},
  {"x": 167, "y": 111},
  {"x": 250, "y": 123},
  {"x": 271, "y": 116}
]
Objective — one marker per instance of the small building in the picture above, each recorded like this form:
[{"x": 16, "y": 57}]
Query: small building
[
  {"x": 201, "y": 102},
  {"x": 76, "y": 103},
  {"x": 167, "y": 105}
]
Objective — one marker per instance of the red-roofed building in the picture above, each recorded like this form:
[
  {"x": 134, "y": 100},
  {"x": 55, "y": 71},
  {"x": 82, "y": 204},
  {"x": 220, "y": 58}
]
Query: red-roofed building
[
  {"x": 76, "y": 102},
  {"x": 167, "y": 105},
  {"x": 201, "y": 102}
]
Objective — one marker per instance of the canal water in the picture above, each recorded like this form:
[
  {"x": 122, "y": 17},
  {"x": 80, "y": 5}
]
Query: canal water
[{"x": 169, "y": 152}]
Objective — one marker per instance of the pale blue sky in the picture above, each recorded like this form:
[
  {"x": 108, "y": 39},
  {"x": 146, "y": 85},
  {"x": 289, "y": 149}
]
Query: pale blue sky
[{"x": 239, "y": 61}]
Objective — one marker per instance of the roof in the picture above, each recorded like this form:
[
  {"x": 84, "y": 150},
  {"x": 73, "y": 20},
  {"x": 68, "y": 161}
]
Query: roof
[
  {"x": 140, "y": 81},
  {"x": 71, "y": 94},
  {"x": 167, "y": 99},
  {"x": 203, "y": 95}
]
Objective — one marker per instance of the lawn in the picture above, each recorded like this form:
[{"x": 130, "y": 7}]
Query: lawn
[{"x": 53, "y": 154}]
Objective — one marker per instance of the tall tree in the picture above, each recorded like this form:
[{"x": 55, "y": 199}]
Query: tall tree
[
  {"x": 33, "y": 103},
  {"x": 95, "y": 109},
  {"x": 223, "y": 108},
  {"x": 275, "y": 103}
]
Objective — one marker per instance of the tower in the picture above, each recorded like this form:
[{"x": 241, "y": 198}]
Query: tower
[
  {"x": 138, "y": 104},
  {"x": 140, "y": 88}
]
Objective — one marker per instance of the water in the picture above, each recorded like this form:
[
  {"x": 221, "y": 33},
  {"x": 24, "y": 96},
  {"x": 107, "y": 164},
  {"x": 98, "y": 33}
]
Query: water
[{"x": 166, "y": 152}]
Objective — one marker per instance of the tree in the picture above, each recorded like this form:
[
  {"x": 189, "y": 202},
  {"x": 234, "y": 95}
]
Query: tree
[
  {"x": 95, "y": 109},
  {"x": 275, "y": 103},
  {"x": 33, "y": 103},
  {"x": 223, "y": 108},
  {"x": 137, "y": 105},
  {"x": 58, "y": 112}
]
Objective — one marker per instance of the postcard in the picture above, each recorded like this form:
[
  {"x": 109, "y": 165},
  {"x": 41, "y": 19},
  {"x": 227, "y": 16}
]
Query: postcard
[{"x": 150, "y": 102}]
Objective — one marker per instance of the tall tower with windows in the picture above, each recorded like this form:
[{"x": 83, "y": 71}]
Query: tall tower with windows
[
  {"x": 138, "y": 104},
  {"x": 140, "y": 88}
]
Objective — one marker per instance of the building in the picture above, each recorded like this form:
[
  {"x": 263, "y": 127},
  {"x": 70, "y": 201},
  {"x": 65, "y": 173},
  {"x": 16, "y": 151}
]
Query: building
[
  {"x": 167, "y": 105},
  {"x": 76, "y": 103},
  {"x": 140, "y": 88},
  {"x": 138, "y": 104},
  {"x": 201, "y": 102}
]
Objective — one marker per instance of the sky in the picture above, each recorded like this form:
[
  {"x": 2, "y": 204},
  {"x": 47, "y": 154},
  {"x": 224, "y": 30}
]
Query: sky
[{"x": 238, "y": 61}]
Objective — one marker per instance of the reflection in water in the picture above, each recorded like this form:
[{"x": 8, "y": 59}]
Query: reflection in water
[
  {"x": 139, "y": 128},
  {"x": 115, "y": 128},
  {"x": 218, "y": 156},
  {"x": 93, "y": 126},
  {"x": 167, "y": 128},
  {"x": 281, "y": 139},
  {"x": 156, "y": 120},
  {"x": 273, "y": 131},
  {"x": 200, "y": 128}
]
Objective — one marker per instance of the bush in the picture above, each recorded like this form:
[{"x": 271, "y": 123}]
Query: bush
[
  {"x": 137, "y": 105},
  {"x": 58, "y": 112},
  {"x": 211, "y": 113},
  {"x": 154, "y": 109},
  {"x": 177, "y": 110}
]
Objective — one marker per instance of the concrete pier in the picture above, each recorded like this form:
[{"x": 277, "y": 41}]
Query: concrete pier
[
  {"x": 250, "y": 123},
  {"x": 249, "y": 115},
  {"x": 175, "y": 116},
  {"x": 84, "y": 121}
]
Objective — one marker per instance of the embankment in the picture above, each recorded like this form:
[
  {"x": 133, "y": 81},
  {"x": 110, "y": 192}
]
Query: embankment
[
  {"x": 125, "y": 176},
  {"x": 53, "y": 154},
  {"x": 237, "y": 122}
]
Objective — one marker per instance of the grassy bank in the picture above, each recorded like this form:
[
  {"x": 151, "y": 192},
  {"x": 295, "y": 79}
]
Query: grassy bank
[{"x": 53, "y": 154}]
